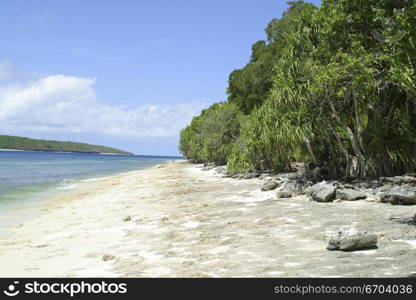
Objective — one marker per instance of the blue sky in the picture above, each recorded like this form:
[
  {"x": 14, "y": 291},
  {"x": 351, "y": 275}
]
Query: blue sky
[{"x": 124, "y": 73}]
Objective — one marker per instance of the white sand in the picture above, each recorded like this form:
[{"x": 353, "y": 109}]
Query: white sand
[{"x": 184, "y": 222}]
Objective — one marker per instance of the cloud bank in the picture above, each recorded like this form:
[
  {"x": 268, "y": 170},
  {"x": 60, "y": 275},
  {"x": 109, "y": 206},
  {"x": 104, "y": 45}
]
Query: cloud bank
[{"x": 69, "y": 104}]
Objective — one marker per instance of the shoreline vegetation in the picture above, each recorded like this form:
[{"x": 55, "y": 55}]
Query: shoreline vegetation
[
  {"x": 15, "y": 143},
  {"x": 186, "y": 220},
  {"x": 332, "y": 88}
]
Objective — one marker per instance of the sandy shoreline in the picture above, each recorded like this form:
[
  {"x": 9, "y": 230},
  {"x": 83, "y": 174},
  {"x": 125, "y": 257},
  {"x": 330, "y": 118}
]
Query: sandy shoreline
[{"x": 178, "y": 221}]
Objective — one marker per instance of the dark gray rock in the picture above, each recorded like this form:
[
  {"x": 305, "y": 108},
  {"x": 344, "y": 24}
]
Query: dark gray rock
[
  {"x": 296, "y": 186},
  {"x": 350, "y": 194},
  {"x": 352, "y": 239},
  {"x": 322, "y": 192},
  {"x": 281, "y": 194},
  {"x": 268, "y": 186},
  {"x": 404, "y": 194}
]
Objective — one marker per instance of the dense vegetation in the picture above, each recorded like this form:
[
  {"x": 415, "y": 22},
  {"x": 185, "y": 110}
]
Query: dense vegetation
[
  {"x": 334, "y": 87},
  {"x": 22, "y": 143}
]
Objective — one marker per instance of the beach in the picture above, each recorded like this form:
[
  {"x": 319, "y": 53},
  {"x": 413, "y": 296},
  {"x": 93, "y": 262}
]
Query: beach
[{"x": 175, "y": 220}]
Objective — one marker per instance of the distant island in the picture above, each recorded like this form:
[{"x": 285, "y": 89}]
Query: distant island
[{"x": 27, "y": 144}]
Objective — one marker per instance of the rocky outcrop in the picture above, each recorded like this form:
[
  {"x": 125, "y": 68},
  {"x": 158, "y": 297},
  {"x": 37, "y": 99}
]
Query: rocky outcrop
[
  {"x": 322, "y": 192},
  {"x": 399, "y": 180},
  {"x": 403, "y": 194},
  {"x": 394, "y": 190},
  {"x": 352, "y": 239},
  {"x": 350, "y": 194}
]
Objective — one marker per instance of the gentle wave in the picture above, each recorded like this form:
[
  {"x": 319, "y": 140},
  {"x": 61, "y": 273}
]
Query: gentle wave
[{"x": 29, "y": 177}]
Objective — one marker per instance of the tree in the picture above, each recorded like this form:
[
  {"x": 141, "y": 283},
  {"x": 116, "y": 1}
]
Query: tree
[{"x": 334, "y": 87}]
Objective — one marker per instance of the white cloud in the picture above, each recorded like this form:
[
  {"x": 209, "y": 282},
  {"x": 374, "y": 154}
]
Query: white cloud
[{"x": 62, "y": 103}]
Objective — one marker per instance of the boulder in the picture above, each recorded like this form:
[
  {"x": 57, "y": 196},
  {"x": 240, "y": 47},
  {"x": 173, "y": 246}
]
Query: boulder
[
  {"x": 268, "y": 186},
  {"x": 382, "y": 189},
  {"x": 322, "y": 192},
  {"x": 281, "y": 194},
  {"x": 352, "y": 239},
  {"x": 350, "y": 194},
  {"x": 296, "y": 186},
  {"x": 403, "y": 194}
]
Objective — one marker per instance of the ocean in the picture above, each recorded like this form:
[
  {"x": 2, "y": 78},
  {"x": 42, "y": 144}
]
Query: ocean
[{"x": 27, "y": 178}]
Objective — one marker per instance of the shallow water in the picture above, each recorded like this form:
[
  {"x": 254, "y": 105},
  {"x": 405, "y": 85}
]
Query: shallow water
[{"x": 27, "y": 177}]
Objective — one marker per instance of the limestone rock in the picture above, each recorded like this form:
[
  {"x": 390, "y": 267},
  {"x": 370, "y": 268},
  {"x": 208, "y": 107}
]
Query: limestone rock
[
  {"x": 352, "y": 239},
  {"x": 296, "y": 186},
  {"x": 350, "y": 194},
  {"x": 404, "y": 194},
  {"x": 322, "y": 192},
  {"x": 399, "y": 180},
  {"x": 268, "y": 186},
  {"x": 281, "y": 194}
]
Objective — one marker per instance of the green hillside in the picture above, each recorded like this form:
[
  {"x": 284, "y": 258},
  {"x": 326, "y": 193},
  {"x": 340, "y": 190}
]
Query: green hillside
[{"x": 23, "y": 143}]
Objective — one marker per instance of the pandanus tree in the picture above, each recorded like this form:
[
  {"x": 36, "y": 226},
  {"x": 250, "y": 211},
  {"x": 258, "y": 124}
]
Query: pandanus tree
[
  {"x": 334, "y": 87},
  {"x": 365, "y": 83}
]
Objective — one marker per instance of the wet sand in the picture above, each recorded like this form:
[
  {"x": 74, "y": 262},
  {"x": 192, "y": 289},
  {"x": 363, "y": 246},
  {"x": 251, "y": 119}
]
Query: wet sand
[{"x": 179, "y": 221}]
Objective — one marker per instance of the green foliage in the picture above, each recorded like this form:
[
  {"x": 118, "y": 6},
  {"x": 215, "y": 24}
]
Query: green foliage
[
  {"x": 249, "y": 87},
  {"x": 22, "y": 143},
  {"x": 210, "y": 136},
  {"x": 334, "y": 87}
]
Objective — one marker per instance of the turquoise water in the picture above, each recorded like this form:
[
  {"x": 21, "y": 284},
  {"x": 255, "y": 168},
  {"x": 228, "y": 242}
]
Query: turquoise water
[{"x": 27, "y": 177}]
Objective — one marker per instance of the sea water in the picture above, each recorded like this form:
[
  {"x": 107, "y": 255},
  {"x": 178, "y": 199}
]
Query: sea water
[{"x": 27, "y": 178}]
